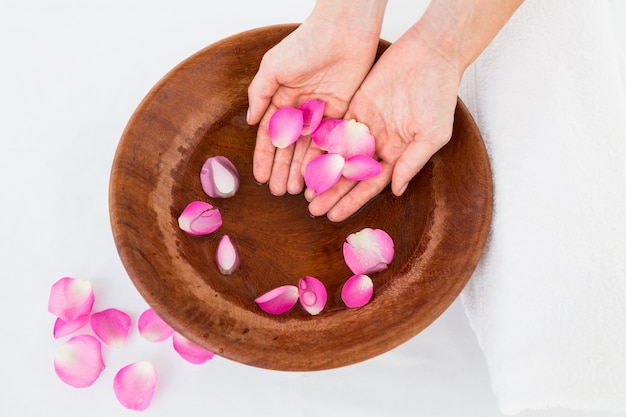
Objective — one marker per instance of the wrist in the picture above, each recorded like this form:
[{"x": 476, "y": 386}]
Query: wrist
[{"x": 362, "y": 17}]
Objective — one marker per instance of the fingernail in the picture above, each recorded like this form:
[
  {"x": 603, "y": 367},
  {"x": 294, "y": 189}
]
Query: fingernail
[
  {"x": 403, "y": 189},
  {"x": 248, "y": 116}
]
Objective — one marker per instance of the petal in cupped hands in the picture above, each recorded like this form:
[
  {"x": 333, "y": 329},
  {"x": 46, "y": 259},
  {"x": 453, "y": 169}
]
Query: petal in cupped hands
[
  {"x": 351, "y": 138},
  {"x": 323, "y": 171},
  {"x": 361, "y": 167},
  {"x": 285, "y": 126},
  {"x": 368, "y": 250},
  {"x": 312, "y": 113}
]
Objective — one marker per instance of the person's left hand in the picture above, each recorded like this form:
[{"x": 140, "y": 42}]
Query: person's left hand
[{"x": 408, "y": 101}]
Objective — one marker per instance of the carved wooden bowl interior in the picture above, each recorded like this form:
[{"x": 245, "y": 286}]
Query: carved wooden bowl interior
[{"x": 439, "y": 226}]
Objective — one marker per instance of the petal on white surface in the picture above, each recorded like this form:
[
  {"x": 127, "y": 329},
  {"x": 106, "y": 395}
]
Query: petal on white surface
[
  {"x": 190, "y": 351},
  {"x": 64, "y": 328},
  {"x": 134, "y": 385},
  {"x": 111, "y": 326},
  {"x": 78, "y": 362},
  {"x": 71, "y": 298},
  {"x": 152, "y": 327}
]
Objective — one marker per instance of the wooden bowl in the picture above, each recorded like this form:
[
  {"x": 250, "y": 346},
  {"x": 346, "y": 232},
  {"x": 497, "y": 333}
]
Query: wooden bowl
[{"x": 439, "y": 226}]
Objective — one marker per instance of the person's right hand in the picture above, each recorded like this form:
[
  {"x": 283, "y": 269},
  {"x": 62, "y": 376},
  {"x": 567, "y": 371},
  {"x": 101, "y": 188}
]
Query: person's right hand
[{"x": 326, "y": 58}]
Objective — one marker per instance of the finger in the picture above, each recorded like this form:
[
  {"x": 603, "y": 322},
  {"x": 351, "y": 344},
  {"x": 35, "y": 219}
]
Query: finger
[
  {"x": 412, "y": 160},
  {"x": 280, "y": 169},
  {"x": 260, "y": 92},
  {"x": 322, "y": 203},
  {"x": 295, "y": 182},
  {"x": 264, "y": 150},
  {"x": 360, "y": 195}
]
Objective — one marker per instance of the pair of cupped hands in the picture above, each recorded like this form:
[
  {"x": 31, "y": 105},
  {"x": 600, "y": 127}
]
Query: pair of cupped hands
[{"x": 407, "y": 99}]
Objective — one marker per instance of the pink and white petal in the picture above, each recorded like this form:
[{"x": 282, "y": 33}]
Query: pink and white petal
[
  {"x": 134, "y": 385},
  {"x": 152, "y": 327},
  {"x": 64, "y": 328},
  {"x": 227, "y": 256},
  {"x": 71, "y": 298},
  {"x": 219, "y": 177},
  {"x": 78, "y": 362},
  {"x": 189, "y": 351},
  {"x": 312, "y": 294},
  {"x": 368, "y": 250},
  {"x": 312, "y": 113},
  {"x": 321, "y": 134},
  {"x": 285, "y": 126},
  {"x": 361, "y": 167},
  {"x": 111, "y": 326},
  {"x": 323, "y": 171},
  {"x": 357, "y": 291},
  {"x": 351, "y": 138},
  {"x": 279, "y": 300},
  {"x": 200, "y": 218}
]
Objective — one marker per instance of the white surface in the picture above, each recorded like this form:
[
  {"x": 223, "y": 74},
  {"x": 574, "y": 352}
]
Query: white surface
[{"x": 73, "y": 72}]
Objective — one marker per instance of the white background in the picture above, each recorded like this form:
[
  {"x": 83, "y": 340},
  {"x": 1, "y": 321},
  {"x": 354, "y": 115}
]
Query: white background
[{"x": 72, "y": 74}]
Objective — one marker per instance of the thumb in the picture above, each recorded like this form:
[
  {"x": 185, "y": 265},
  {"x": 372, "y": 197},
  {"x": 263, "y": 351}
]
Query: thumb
[
  {"x": 412, "y": 160},
  {"x": 260, "y": 92}
]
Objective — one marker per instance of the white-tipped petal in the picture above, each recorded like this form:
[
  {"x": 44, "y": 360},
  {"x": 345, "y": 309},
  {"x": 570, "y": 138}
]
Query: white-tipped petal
[
  {"x": 279, "y": 300},
  {"x": 71, "y": 298},
  {"x": 357, "y": 291},
  {"x": 189, "y": 351},
  {"x": 134, "y": 385},
  {"x": 200, "y": 218},
  {"x": 285, "y": 126},
  {"x": 351, "y": 138},
  {"x": 226, "y": 256},
  {"x": 323, "y": 171},
  {"x": 78, "y": 362},
  {"x": 152, "y": 327},
  {"x": 219, "y": 177},
  {"x": 111, "y": 326},
  {"x": 367, "y": 251},
  {"x": 312, "y": 294}
]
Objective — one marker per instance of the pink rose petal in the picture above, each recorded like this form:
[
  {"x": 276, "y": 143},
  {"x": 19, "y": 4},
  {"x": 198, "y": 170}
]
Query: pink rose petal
[
  {"x": 189, "y": 351},
  {"x": 70, "y": 299},
  {"x": 323, "y": 171},
  {"x": 134, "y": 385},
  {"x": 219, "y": 177},
  {"x": 351, "y": 138},
  {"x": 111, "y": 326},
  {"x": 226, "y": 256},
  {"x": 200, "y": 218},
  {"x": 367, "y": 251},
  {"x": 78, "y": 362},
  {"x": 312, "y": 295},
  {"x": 63, "y": 328},
  {"x": 312, "y": 113},
  {"x": 279, "y": 300},
  {"x": 357, "y": 291},
  {"x": 285, "y": 126},
  {"x": 152, "y": 327},
  {"x": 361, "y": 167},
  {"x": 320, "y": 135}
]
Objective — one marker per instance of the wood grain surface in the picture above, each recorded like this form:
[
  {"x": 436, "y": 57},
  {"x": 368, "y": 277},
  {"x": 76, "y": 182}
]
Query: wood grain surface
[{"x": 439, "y": 226}]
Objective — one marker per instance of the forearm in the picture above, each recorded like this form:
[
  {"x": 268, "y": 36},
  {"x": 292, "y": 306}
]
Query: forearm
[
  {"x": 461, "y": 29},
  {"x": 353, "y": 16}
]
